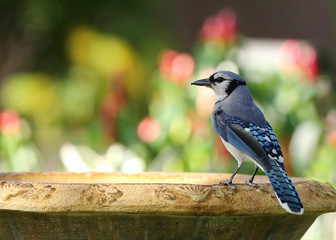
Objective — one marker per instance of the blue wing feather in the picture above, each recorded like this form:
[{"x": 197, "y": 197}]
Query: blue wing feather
[
  {"x": 238, "y": 142},
  {"x": 264, "y": 136},
  {"x": 222, "y": 128}
]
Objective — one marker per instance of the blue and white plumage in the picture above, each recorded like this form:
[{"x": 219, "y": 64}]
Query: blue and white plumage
[{"x": 248, "y": 136}]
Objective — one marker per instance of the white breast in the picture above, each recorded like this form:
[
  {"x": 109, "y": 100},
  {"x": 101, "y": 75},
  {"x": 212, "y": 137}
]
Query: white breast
[{"x": 240, "y": 156}]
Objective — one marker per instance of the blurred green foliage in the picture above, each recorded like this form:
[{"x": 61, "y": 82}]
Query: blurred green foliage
[{"x": 121, "y": 95}]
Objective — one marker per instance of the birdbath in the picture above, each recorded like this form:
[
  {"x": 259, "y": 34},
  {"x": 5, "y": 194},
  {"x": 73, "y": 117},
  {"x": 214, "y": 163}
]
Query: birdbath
[{"x": 153, "y": 205}]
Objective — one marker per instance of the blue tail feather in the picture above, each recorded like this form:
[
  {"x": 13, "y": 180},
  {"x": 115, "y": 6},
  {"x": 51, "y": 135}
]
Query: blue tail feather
[{"x": 284, "y": 189}]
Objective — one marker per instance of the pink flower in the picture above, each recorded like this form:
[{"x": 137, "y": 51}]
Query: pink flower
[
  {"x": 177, "y": 67},
  {"x": 9, "y": 122},
  {"x": 309, "y": 62},
  {"x": 149, "y": 129},
  {"x": 220, "y": 27},
  {"x": 299, "y": 58}
]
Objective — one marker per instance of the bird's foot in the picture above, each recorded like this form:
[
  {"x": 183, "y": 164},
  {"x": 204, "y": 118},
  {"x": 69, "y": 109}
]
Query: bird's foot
[
  {"x": 229, "y": 184},
  {"x": 251, "y": 184}
]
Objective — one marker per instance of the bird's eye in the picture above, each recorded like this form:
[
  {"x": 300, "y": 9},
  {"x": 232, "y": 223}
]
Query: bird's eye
[{"x": 219, "y": 79}]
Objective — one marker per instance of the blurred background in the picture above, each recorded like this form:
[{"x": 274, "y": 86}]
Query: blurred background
[{"x": 105, "y": 85}]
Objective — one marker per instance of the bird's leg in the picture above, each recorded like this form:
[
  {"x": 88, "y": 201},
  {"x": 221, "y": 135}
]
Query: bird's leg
[
  {"x": 250, "y": 181},
  {"x": 229, "y": 181}
]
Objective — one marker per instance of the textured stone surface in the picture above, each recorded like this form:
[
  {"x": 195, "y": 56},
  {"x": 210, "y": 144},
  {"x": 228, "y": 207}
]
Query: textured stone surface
[{"x": 152, "y": 206}]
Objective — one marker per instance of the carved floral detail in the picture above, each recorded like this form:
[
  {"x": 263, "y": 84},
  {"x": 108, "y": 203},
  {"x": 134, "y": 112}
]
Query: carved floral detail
[
  {"x": 24, "y": 190},
  {"x": 164, "y": 193},
  {"x": 102, "y": 194},
  {"x": 218, "y": 192},
  {"x": 197, "y": 193},
  {"x": 47, "y": 191}
]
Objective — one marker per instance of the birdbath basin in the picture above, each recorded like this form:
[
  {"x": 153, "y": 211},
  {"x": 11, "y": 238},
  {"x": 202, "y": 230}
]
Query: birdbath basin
[{"x": 153, "y": 205}]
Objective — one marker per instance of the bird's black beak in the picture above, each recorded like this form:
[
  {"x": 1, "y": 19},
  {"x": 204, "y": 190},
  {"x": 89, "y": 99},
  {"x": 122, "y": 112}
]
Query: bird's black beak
[{"x": 202, "y": 82}]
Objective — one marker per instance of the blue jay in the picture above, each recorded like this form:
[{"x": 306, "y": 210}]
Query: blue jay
[{"x": 248, "y": 136}]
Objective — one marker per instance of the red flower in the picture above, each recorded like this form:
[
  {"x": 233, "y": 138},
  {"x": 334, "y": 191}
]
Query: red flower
[
  {"x": 9, "y": 122},
  {"x": 149, "y": 129},
  {"x": 177, "y": 67},
  {"x": 220, "y": 27},
  {"x": 299, "y": 58},
  {"x": 332, "y": 139}
]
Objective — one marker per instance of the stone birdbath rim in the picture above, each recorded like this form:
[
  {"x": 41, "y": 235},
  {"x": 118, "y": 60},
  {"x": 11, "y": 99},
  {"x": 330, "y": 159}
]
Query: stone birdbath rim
[{"x": 154, "y": 192}]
